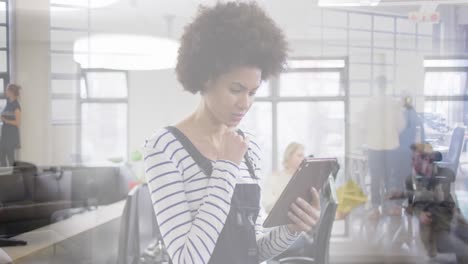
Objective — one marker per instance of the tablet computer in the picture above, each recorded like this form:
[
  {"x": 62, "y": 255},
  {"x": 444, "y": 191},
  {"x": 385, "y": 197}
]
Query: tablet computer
[{"x": 313, "y": 172}]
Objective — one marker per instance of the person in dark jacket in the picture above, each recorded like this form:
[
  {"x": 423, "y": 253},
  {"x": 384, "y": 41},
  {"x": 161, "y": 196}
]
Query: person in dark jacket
[{"x": 430, "y": 200}]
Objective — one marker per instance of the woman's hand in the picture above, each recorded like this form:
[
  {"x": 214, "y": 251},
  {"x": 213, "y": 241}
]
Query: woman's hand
[
  {"x": 395, "y": 195},
  {"x": 233, "y": 147},
  {"x": 305, "y": 215},
  {"x": 425, "y": 218}
]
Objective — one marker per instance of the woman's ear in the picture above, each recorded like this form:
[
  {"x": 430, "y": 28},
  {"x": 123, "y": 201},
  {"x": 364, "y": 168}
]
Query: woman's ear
[{"x": 206, "y": 86}]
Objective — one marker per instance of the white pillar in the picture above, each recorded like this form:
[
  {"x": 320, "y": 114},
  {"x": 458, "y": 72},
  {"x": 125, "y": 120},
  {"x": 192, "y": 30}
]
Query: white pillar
[{"x": 31, "y": 69}]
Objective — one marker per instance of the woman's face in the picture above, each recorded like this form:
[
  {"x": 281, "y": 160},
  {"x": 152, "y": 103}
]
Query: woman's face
[
  {"x": 229, "y": 97},
  {"x": 422, "y": 164},
  {"x": 296, "y": 159},
  {"x": 9, "y": 93}
]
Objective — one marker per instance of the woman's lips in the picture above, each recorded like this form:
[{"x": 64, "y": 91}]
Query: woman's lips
[{"x": 237, "y": 117}]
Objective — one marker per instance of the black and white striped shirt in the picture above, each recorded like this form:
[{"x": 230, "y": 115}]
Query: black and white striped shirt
[{"x": 191, "y": 207}]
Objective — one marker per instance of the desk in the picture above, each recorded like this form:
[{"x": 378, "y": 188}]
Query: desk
[
  {"x": 48, "y": 236},
  {"x": 351, "y": 255}
]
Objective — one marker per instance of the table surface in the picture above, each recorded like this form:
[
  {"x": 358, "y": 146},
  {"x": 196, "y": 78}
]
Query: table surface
[{"x": 50, "y": 235}]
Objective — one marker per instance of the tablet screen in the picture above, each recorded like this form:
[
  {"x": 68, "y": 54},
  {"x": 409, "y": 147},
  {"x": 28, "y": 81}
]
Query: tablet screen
[{"x": 313, "y": 172}]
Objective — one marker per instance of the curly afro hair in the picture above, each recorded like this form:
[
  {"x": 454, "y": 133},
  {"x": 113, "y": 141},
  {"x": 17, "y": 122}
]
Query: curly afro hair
[{"x": 226, "y": 36}]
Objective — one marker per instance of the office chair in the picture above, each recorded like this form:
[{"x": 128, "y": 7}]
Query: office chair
[
  {"x": 318, "y": 253},
  {"x": 452, "y": 159},
  {"x": 138, "y": 229}
]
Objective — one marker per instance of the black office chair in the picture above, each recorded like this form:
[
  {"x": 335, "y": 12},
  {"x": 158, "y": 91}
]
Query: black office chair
[
  {"x": 318, "y": 253},
  {"x": 138, "y": 228}
]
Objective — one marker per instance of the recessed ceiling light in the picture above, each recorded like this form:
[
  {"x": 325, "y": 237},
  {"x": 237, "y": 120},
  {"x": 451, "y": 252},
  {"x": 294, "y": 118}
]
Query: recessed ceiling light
[
  {"x": 342, "y": 3},
  {"x": 125, "y": 52},
  {"x": 84, "y": 3}
]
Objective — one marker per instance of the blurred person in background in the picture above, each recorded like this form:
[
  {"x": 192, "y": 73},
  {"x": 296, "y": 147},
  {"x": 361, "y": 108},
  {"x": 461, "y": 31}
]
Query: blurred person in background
[
  {"x": 11, "y": 118},
  {"x": 383, "y": 123},
  {"x": 275, "y": 183},
  {"x": 413, "y": 132},
  {"x": 441, "y": 226}
]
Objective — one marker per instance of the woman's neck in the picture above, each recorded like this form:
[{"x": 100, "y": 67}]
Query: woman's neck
[
  {"x": 289, "y": 171},
  {"x": 203, "y": 124}
]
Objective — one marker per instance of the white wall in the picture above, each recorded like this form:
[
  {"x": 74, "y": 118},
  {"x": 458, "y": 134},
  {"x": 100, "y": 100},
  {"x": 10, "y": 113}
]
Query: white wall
[
  {"x": 63, "y": 144},
  {"x": 31, "y": 71},
  {"x": 155, "y": 100}
]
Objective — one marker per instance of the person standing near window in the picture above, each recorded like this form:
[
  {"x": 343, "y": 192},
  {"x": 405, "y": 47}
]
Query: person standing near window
[
  {"x": 275, "y": 184},
  {"x": 11, "y": 118},
  {"x": 413, "y": 132},
  {"x": 215, "y": 216},
  {"x": 383, "y": 122}
]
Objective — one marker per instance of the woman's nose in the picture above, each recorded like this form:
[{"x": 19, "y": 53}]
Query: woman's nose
[{"x": 244, "y": 101}]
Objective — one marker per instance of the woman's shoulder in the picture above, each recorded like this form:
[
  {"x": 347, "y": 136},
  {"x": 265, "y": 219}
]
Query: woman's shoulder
[
  {"x": 13, "y": 105},
  {"x": 160, "y": 138}
]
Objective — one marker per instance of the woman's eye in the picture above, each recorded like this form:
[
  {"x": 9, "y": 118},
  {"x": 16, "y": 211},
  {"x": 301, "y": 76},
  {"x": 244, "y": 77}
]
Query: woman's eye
[{"x": 235, "y": 90}]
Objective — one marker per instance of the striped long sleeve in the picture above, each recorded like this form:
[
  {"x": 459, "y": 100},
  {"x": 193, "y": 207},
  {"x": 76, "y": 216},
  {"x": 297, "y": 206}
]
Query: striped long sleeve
[
  {"x": 180, "y": 232},
  {"x": 191, "y": 208}
]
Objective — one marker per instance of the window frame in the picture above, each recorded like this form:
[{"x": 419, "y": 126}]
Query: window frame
[
  {"x": 102, "y": 100},
  {"x": 6, "y": 75},
  {"x": 448, "y": 98},
  {"x": 274, "y": 98}
]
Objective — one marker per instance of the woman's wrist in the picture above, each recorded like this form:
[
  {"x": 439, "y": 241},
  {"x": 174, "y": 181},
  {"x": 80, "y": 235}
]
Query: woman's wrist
[{"x": 292, "y": 231}]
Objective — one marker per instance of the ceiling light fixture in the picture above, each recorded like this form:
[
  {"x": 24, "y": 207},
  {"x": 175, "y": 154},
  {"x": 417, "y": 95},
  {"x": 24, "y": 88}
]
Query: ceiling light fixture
[
  {"x": 125, "y": 52},
  {"x": 84, "y": 3},
  {"x": 345, "y": 3}
]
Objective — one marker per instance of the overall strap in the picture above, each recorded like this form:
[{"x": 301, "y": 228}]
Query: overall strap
[
  {"x": 202, "y": 161},
  {"x": 248, "y": 162}
]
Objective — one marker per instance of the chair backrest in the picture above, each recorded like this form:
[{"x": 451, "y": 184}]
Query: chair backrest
[
  {"x": 138, "y": 226},
  {"x": 456, "y": 144},
  {"x": 128, "y": 233},
  {"x": 319, "y": 251},
  {"x": 148, "y": 228},
  {"x": 324, "y": 229}
]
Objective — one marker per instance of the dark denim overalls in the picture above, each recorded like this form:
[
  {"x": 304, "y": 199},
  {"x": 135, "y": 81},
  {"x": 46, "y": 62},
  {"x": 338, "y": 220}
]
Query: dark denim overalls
[{"x": 237, "y": 242}]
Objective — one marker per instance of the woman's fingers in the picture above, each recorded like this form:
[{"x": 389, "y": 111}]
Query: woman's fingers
[
  {"x": 305, "y": 215},
  {"x": 315, "y": 198},
  {"x": 298, "y": 223}
]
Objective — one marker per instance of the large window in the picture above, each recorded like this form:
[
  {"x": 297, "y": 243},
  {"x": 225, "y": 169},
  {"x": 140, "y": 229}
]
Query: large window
[
  {"x": 68, "y": 23},
  {"x": 306, "y": 104},
  {"x": 103, "y": 105},
  {"x": 445, "y": 97},
  {"x": 4, "y": 50},
  {"x": 89, "y": 106}
]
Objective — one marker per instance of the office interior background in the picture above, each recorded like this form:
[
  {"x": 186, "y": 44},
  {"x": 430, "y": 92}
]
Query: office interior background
[{"x": 98, "y": 78}]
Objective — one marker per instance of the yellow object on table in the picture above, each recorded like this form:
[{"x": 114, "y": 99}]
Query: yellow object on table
[{"x": 350, "y": 196}]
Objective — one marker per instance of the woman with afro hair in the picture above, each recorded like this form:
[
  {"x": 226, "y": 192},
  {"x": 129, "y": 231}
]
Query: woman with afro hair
[{"x": 203, "y": 173}]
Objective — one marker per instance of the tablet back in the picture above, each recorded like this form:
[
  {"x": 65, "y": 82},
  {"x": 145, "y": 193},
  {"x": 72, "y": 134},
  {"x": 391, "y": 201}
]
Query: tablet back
[{"x": 313, "y": 172}]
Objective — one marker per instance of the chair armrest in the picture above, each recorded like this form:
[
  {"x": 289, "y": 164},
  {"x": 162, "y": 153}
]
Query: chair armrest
[
  {"x": 443, "y": 164},
  {"x": 297, "y": 260}
]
